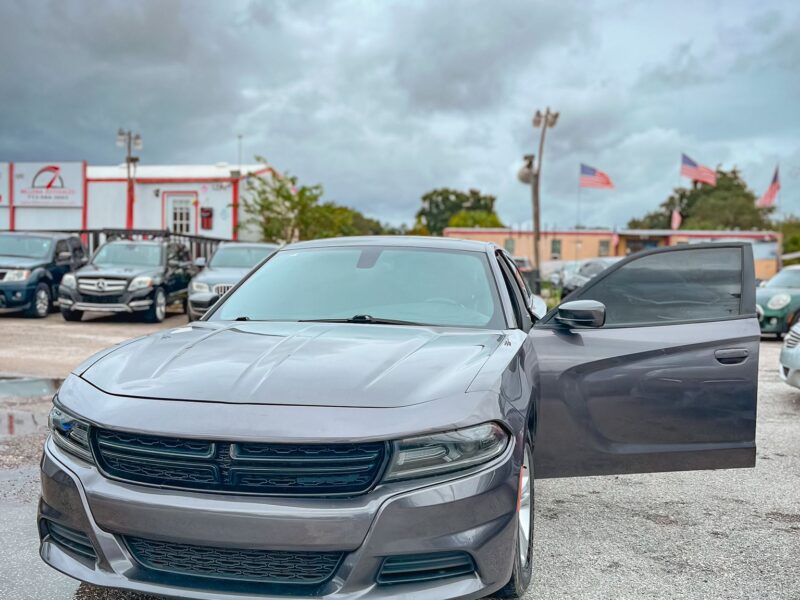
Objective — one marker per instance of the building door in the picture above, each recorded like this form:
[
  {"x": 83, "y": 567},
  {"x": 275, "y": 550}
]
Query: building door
[{"x": 180, "y": 214}]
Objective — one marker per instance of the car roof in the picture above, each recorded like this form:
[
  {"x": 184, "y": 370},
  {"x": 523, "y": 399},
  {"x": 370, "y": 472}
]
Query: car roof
[
  {"x": 400, "y": 241},
  {"x": 248, "y": 245},
  {"x": 56, "y": 235}
]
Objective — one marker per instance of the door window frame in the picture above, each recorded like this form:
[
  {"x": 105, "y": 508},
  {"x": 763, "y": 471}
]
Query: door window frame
[{"x": 747, "y": 297}]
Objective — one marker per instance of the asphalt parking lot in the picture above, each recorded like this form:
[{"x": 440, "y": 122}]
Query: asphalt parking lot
[{"x": 724, "y": 534}]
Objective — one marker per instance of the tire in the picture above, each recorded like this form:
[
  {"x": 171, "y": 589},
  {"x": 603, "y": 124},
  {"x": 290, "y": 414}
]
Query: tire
[
  {"x": 40, "y": 305},
  {"x": 158, "y": 310},
  {"x": 522, "y": 573},
  {"x": 71, "y": 315}
]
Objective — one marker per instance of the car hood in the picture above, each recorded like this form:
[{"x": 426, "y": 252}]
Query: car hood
[
  {"x": 311, "y": 364},
  {"x": 213, "y": 276},
  {"x": 764, "y": 294},
  {"x": 117, "y": 272},
  {"x": 20, "y": 262}
]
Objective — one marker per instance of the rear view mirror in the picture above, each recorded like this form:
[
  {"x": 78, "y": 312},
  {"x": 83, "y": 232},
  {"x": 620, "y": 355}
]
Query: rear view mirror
[{"x": 582, "y": 313}]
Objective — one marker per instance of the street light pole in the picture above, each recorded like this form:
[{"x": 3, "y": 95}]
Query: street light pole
[
  {"x": 546, "y": 120},
  {"x": 131, "y": 141}
]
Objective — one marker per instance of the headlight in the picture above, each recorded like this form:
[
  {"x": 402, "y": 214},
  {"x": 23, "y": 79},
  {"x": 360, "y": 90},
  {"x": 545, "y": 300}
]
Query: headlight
[
  {"x": 140, "y": 283},
  {"x": 17, "y": 275},
  {"x": 70, "y": 433},
  {"x": 779, "y": 301},
  {"x": 68, "y": 281},
  {"x": 199, "y": 286},
  {"x": 446, "y": 452}
]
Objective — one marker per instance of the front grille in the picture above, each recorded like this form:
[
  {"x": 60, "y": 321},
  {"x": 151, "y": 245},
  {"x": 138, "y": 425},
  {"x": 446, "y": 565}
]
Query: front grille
[
  {"x": 222, "y": 288},
  {"x": 102, "y": 286},
  {"x": 232, "y": 564},
  {"x": 242, "y": 467},
  {"x": 425, "y": 567},
  {"x": 792, "y": 338},
  {"x": 71, "y": 540},
  {"x": 92, "y": 299}
]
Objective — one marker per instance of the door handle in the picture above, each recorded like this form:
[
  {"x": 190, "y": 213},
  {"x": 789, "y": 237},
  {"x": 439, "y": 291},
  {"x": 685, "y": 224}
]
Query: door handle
[{"x": 731, "y": 356}]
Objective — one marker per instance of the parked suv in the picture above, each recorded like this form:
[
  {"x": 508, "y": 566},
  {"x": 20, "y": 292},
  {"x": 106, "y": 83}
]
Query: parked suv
[
  {"x": 230, "y": 263},
  {"x": 125, "y": 276},
  {"x": 31, "y": 268}
]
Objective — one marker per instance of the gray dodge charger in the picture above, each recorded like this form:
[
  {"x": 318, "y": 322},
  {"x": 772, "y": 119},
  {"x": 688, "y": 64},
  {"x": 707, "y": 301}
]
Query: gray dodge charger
[{"x": 362, "y": 418}]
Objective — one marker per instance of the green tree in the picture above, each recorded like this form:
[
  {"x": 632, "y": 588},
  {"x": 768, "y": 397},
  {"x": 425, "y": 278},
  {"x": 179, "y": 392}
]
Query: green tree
[
  {"x": 440, "y": 205},
  {"x": 475, "y": 218},
  {"x": 283, "y": 211},
  {"x": 728, "y": 205}
]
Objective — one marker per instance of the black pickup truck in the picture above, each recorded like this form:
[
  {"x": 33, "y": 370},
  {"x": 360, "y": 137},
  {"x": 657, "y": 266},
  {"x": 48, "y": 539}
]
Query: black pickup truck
[
  {"x": 32, "y": 266},
  {"x": 125, "y": 276}
]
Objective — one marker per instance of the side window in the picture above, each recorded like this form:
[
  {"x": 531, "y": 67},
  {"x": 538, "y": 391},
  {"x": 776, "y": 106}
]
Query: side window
[
  {"x": 671, "y": 287},
  {"x": 517, "y": 290},
  {"x": 518, "y": 278},
  {"x": 604, "y": 248}
]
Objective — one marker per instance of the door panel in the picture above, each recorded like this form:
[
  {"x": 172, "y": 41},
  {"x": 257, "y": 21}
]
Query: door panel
[{"x": 661, "y": 396}]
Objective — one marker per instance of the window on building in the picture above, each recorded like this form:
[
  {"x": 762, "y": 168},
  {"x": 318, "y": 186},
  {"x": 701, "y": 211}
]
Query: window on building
[
  {"x": 555, "y": 249},
  {"x": 604, "y": 248},
  {"x": 182, "y": 215},
  {"x": 509, "y": 245}
]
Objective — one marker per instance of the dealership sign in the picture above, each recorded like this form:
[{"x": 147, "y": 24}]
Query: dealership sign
[{"x": 49, "y": 184}]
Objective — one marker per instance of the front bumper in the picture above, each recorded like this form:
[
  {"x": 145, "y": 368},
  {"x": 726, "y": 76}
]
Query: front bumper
[
  {"x": 16, "y": 296},
  {"x": 789, "y": 370},
  {"x": 773, "y": 321},
  {"x": 475, "y": 513},
  {"x": 126, "y": 302}
]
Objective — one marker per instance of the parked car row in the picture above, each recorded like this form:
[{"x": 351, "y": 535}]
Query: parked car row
[{"x": 137, "y": 277}]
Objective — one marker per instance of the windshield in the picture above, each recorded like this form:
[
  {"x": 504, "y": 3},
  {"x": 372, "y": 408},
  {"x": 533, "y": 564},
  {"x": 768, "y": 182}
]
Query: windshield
[
  {"x": 426, "y": 286},
  {"x": 241, "y": 257},
  {"x": 788, "y": 278},
  {"x": 25, "y": 245},
  {"x": 124, "y": 255}
]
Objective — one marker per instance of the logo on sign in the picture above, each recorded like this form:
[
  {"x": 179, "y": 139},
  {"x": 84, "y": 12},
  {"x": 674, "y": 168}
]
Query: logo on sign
[{"x": 48, "y": 177}]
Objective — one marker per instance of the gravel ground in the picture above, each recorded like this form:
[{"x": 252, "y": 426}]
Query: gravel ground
[{"x": 723, "y": 534}]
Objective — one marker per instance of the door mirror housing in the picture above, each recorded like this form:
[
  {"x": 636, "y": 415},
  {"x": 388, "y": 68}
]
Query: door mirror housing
[
  {"x": 200, "y": 262},
  {"x": 582, "y": 313}
]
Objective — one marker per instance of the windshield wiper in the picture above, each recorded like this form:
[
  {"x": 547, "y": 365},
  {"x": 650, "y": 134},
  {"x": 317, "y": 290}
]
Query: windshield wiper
[{"x": 368, "y": 319}]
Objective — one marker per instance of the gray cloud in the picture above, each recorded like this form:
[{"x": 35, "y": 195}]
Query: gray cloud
[{"x": 382, "y": 101}]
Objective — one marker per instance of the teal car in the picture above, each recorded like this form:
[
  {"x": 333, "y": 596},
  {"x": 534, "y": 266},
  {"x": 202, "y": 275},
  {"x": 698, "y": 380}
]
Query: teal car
[{"x": 778, "y": 302}]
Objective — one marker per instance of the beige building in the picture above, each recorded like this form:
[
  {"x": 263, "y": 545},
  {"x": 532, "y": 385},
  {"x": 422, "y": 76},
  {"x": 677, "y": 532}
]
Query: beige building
[{"x": 570, "y": 245}]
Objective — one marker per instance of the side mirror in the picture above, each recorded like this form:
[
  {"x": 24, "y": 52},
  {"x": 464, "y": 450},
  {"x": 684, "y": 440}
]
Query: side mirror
[
  {"x": 200, "y": 262},
  {"x": 582, "y": 313},
  {"x": 64, "y": 257}
]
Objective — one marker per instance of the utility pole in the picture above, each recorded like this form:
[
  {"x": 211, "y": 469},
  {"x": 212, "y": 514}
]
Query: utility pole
[
  {"x": 131, "y": 141},
  {"x": 531, "y": 173}
]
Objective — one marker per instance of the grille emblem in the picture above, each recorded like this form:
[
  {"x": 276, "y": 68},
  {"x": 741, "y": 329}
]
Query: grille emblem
[{"x": 101, "y": 284}]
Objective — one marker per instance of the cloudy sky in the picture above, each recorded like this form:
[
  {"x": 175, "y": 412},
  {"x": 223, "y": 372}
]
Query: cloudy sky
[{"x": 381, "y": 101}]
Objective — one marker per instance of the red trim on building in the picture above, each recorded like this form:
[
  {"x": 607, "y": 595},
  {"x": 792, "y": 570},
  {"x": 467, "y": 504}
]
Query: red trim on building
[
  {"x": 180, "y": 179},
  {"x": 85, "y": 208},
  {"x": 11, "y": 219},
  {"x": 235, "y": 205}
]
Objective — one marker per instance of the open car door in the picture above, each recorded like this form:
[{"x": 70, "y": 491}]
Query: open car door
[{"x": 666, "y": 381}]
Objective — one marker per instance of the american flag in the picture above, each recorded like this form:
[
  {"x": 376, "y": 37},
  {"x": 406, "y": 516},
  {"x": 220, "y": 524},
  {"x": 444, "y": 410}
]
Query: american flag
[
  {"x": 594, "y": 178},
  {"x": 697, "y": 172},
  {"x": 768, "y": 199}
]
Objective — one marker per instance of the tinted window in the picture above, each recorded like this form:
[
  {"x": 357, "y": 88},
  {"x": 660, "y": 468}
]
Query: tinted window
[
  {"x": 61, "y": 246},
  {"x": 431, "y": 286},
  {"x": 27, "y": 246},
  {"x": 672, "y": 286},
  {"x": 241, "y": 257},
  {"x": 122, "y": 254}
]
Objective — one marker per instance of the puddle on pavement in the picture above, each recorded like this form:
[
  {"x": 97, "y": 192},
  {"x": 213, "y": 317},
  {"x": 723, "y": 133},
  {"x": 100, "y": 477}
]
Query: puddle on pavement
[
  {"x": 28, "y": 387},
  {"x": 15, "y": 421}
]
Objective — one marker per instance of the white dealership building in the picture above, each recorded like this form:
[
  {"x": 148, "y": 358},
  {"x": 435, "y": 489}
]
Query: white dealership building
[{"x": 201, "y": 200}]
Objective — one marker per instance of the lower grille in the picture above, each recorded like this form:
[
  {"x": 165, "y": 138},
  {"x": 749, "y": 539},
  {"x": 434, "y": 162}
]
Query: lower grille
[
  {"x": 792, "y": 339},
  {"x": 415, "y": 568},
  {"x": 243, "y": 467},
  {"x": 71, "y": 540},
  {"x": 254, "y": 566},
  {"x": 106, "y": 299}
]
